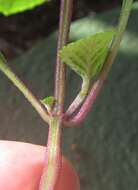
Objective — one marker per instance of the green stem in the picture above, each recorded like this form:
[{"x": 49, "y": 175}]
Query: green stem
[
  {"x": 65, "y": 20},
  {"x": 26, "y": 92},
  {"x": 80, "y": 97},
  {"x": 53, "y": 157},
  {"x": 125, "y": 13}
]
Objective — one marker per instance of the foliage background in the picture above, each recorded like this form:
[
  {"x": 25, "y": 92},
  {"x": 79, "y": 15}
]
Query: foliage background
[{"x": 21, "y": 31}]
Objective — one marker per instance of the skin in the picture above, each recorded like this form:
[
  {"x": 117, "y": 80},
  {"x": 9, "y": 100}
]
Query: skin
[{"x": 21, "y": 167}]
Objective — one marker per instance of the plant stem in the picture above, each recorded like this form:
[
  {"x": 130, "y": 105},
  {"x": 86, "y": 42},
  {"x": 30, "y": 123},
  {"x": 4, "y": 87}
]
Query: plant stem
[
  {"x": 26, "y": 92},
  {"x": 98, "y": 84},
  {"x": 80, "y": 97},
  {"x": 53, "y": 156},
  {"x": 64, "y": 27},
  {"x": 53, "y": 150},
  {"x": 87, "y": 105},
  {"x": 125, "y": 13}
]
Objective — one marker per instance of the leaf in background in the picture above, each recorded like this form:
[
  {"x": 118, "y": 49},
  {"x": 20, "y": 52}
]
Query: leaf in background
[
  {"x": 87, "y": 56},
  {"x": 8, "y": 7},
  {"x": 2, "y": 58}
]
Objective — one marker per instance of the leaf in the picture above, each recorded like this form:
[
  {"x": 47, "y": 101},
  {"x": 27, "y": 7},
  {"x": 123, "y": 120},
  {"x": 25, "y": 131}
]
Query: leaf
[
  {"x": 48, "y": 101},
  {"x": 8, "y": 7},
  {"x": 87, "y": 56}
]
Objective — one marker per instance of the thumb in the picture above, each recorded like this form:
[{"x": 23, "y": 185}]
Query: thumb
[{"x": 21, "y": 166}]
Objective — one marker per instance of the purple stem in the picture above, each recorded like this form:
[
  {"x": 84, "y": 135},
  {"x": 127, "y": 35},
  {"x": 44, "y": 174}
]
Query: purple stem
[
  {"x": 60, "y": 75},
  {"x": 87, "y": 105}
]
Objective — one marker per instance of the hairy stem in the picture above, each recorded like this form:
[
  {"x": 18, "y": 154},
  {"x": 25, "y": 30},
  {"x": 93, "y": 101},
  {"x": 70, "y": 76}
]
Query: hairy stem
[
  {"x": 98, "y": 84},
  {"x": 53, "y": 151},
  {"x": 64, "y": 27},
  {"x": 53, "y": 156},
  {"x": 26, "y": 92}
]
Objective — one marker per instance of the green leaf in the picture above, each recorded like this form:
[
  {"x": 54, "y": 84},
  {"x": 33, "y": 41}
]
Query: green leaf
[
  {"x": 87, "y": 56},
  {"x": 48, "y": 101},
  {"x": 8, "y": 7}
]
